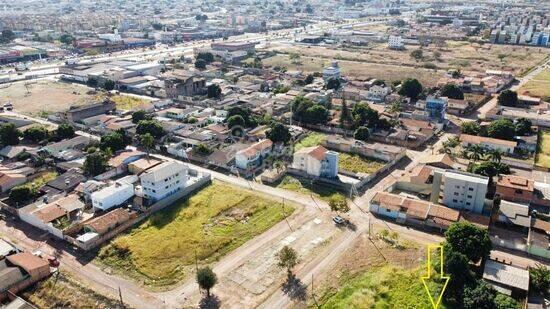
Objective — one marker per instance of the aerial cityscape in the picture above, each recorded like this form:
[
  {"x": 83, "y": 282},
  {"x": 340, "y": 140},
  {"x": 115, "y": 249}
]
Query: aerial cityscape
[{"x": 275, "y": 154}]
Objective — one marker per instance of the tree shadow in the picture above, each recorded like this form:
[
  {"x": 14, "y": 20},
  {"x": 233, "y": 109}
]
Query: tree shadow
[
  {"x": 210, "y": 302},
  {"x": 294, "y": 288},
  {"x": 351, "y": 226}
]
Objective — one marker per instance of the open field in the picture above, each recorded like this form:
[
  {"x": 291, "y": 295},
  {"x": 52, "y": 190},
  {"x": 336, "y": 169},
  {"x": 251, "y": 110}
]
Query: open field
[
  {"x": 307, "y": 187},
  {"x": 452, "y": 54},
  {"x": 358, "y": 164},
  {"x": 542, "y": 157},
  {"x": 126, "y": 102},
  {"x": 376, "y": 274},
  {"x": 219, "y": 218},
  {"x": 45, "y": 96},
  {"x": 312, "y": 139},
  {"x": 65, "y": 292},
  {"x": 362, "y": 70},
  {"x": 539, "y": 86}
]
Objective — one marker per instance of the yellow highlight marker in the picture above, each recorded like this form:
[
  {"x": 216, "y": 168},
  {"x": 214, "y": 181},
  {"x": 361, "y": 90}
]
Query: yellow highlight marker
[{"x": 431, "y": 248}]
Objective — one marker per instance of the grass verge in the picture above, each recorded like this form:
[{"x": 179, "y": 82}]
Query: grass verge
[
  {"x": 312, "y": 139},
  {"x": 307, "y": 187},
  {"x": 161, "y": 251},
  {"x": 542, "y": 157},
  {"x": 358, "y": 164}
]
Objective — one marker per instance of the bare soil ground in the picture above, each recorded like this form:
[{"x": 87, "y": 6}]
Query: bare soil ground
[{"x": 44, "y": 96}]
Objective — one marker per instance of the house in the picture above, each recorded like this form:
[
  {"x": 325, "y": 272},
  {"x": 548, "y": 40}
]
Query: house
[
  {"x": 65, "y": 182},
  {"x": 121, "y": 161},
  {"x": 436, "y": 107},
  {"x": 183, "y": 83},
  {"x": 332, "y": 71},
  {"x": 378, "y": 94},
  {"x": 514, "y": 213},
  {"x": 461, "y": 190},
  {"x": 457, "y": 107},
  {"x": 316, "y": 161},
  {"x": 11, "y": 152},
  {"x": 19, "y": 271},
  {"x": 55, "y": 216},
  {"x": 107, "y": 222},
  {"x": 252, "y": 156},
  {"x": 180, "y": 113},
  {"x": 112, "y": 196},
  {"x": 139, "y": 166},
  {"x": 488, "y": 143},
  {"x": 77, "y": 113},
  {"x": 75, "y": 143},
  {"x": 515, "y": 188},
  {"x": 442, "y": 160},
  {"x": 163, "y": 180},
  {"x": 538, "y": 238},
  {"x": 506, "y": 279},
  {"x": 10, "y": 180}
]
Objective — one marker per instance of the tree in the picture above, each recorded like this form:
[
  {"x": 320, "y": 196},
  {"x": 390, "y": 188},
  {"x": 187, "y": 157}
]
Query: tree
[
  {"x": 279, "y": 133},
  {"x": 457, "y": 268},
  {"x": 503, "y": 301},
  {"x": 200, "y": 64},
  {"x": 469, "y": 240},
  {"x": 138, "y": 116},
  {"x": 20, "y": 194},
  {"x": 9, "y": 134},
  {"x": 95, "y": 164},
  {"x": 364, "y": 115},
  {"x": 214, "y": 91},
  {"x": 411, "y": 88},
  {"x": 475, "y": 153},
  {"x": 490, "y": 169},
  {"x": 362, "y": 133},
  {"x": 203, "y": 150},
  {"x": 508, "y": 98},
  {"x": 524, "y": 126},
  {"x": 480, "y": 296},
  {"x": 264, "y": 87},
  {"x": 379, "y": 82},
  {"x": 539, "y": 276},
  {"x": 287, "y": 258},
  {"x": 493, "y": 217},
  {"x": 333, "y": 83},
  {"x": 502, "y": 129},
  {"x": 207, "y": 279},
  {"x": 109, "y": 85},
  {"x": 66, "y": 39},
  {"x": 148, "y": 141},
  {"x": 235, "y": 121},
  {"x": 114, "y": 141},
  {"x": 452, "y": 91},
  {"x": 64, "y": 130},
  {"x": 36, "y": 134},
  {"x": 470, "y": 127},
  {"x": 338, "y": 203},
  {"x": 7, "y": 36},
  {"x": 246, "y": 113},
  {"x": 417, "y": 54},
  {"x": 496, "y": 155},
  {"x": 309, "y": 79},
  {"x": 152, "y": 127},
  {"x": 345, "y": 116},
  {"x": 304, "y": 110},
  {"x": 207, "y": 57}
]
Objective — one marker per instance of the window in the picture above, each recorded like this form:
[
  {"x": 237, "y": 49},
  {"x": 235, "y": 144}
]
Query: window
[
  {"x": 166, "y": 187},
  {"x": 519, "y": 191},
  {"x": 455, "y": 201},
  {"x": 456, "y": 193},
  {"x": 388, "y": 210},
  {"x": 154, "y": 191},
  {"x": 470, "y": 189},
  {"x": 468, "y": 203},
  {"x": 458, "y": 187}
]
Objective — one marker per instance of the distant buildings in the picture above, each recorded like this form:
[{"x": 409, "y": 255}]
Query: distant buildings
[
  {"x": 180, "y": 83},
  {"x": 395, "y": 42},
  {"x": 488, "y": 143},
  {"x": 316, "y": 161},
  {"x": 77, "y": 113}
]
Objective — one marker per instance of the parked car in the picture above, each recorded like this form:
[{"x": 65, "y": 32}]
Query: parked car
[{"x": 339, "y": 220}]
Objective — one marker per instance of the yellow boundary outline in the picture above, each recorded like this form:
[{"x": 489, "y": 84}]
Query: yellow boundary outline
[{"x": 424, "y": 278}]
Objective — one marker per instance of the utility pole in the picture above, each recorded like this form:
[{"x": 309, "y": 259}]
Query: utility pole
[
  {"x": 313, "y": 293},
  {"x": 196, "y": 262},
  {"x": 284, "y": 214},
  {"x": 120, "y": 297}
]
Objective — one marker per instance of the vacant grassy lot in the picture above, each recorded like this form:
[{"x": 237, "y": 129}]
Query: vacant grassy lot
[
  {"x": 539, "y": 86},
  {"x": 44, "y": 96},
  {"x": 161, "y": 251},
  {"x": 542, "y": 157},
  {"x": 126, "y": 102},
  {"x": 357, "y": 69},
  {"x": 359, "y": 164},
  {"x": 65, "y": 292},
  {"x": 307, "y": 187},
  {"x": 312, "y": 139}
]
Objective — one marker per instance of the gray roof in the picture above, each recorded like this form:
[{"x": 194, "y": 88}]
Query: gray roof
[
  {"x": 516, "y": 213},
  {"x": 507, "y": 275}
]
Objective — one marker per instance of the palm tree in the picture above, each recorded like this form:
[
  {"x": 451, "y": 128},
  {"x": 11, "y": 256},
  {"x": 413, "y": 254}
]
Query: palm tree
[
  {"x": 476, "y": 152},
  {"x": 148, "y": 142},
  {"x": 496, "y": 155}
]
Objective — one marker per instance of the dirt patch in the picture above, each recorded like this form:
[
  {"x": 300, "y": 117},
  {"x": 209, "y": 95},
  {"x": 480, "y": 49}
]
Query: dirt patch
[{"x": 45, "y": 96}]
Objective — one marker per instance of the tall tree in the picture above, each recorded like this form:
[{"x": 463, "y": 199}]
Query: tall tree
[
  {"x": 138, "y": 116},
  {"x": 287, "y": 258},
  {"x": 64, "y": 130},
  {"x": 470, "y": 127},
  {"x": 411, "y": 88},
  {"x": 95, "y": 164},
  {"x": 508, "y": 98},
  {"x": 338, "y": 203},
  {"x": 345, "y": 116},
  {"x": 9, "y": 134},
  {"x": 214, "y": 91},
  {"x": 540, "y": 279},
  {"x": 524, "y": 127},
  {"x": 152, "y": 127},
  {"x": 362, "y": 133},
  {"x": 36, "y": 134},
  {"x": 148, "y": 141},
  {"x": 469, "y": 240},
  {"x": 279, "y": 133},
  {"x": 480, "y": 296},
  {"x": 502, "y": 129},
  {"x": 452, "y": 91}
]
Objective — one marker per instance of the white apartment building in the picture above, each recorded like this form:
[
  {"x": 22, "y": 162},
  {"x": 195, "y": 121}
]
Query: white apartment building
[
  {"x": 464, "y": 191},
  {"x": 164, "y": 180},
  {"x": 395, "y": 42},
  {"x": 333, "y": 71},
  {"x": 112, "y": 196}
]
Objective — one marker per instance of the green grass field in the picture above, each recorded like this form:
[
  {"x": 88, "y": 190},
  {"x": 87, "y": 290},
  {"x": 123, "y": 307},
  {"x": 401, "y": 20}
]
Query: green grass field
[
  {"x": 543, "y": 152},
  {"x": 358, "y": 164},
  {"x": 307, "y": 187},
  {"x": 312, "y": 139},
  {"x": 379, "y": 287},
  {"x": 219, "y": 218}
]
